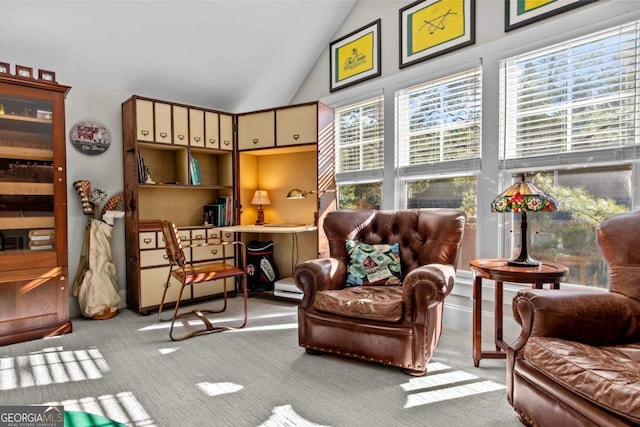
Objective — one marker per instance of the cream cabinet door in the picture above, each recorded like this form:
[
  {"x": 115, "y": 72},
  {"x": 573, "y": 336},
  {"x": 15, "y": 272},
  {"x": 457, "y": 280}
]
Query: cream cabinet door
[
  {"x": 180, "y": 125},
  {"x": 144, "y": 120},
  {"x": 162, "y": 115},
  {"x": 152, "y": 282},
  {"x": 211, "y": 130},
  {"x": 297, "y": 125},
  {"x": 196, "y": 127},
  {"x": 256, "y": 130},
  {"x": 226, "y": 132}
]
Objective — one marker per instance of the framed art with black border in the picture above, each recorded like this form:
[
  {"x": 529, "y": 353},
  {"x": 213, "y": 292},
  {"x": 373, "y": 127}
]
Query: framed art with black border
[
  {"x": 45, "y": 75},
  {"x": 430, "y": 28},
  {"x": 355, "y": 57},
  {"x": 24, "y": 72},
  {"x": 519, "y": 13},
  {"x": 4, "y": 68}
]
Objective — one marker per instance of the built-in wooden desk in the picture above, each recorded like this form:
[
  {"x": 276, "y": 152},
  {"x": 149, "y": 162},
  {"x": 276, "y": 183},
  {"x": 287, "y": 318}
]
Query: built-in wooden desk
[{"x": 284, "y": 252}]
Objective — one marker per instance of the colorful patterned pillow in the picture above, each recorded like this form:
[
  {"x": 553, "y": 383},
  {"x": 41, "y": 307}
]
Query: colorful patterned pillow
[{"x": 373, "y": 264}]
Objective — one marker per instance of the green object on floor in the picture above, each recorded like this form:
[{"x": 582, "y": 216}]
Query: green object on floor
[{"x": 85, "y": 419}]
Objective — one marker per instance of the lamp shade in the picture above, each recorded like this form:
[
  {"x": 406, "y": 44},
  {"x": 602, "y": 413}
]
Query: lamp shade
[
  {"x": 260, "y": 197},
  {"x": 297, "y": 194},
  {"x": 523, "y": 197}
]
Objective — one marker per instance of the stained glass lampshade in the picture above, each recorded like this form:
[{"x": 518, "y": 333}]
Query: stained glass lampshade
[{"x": 523, "y": 197}]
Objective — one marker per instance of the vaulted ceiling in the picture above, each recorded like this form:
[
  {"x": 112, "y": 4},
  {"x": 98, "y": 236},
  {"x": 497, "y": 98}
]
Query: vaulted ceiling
[{"x": 232, "y": 55}]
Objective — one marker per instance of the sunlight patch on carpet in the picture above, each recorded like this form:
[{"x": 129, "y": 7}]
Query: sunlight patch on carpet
[
  {"x": 216, "y": 389},
  {"x": 164, "y": 351},
  {"x": 285, "y": 416},
  {"x": 122, "y": 407},
  {"x": 449, "y": 393},
  {"x": 438, "y": 380},
  {"x": 53, "y": 365}
]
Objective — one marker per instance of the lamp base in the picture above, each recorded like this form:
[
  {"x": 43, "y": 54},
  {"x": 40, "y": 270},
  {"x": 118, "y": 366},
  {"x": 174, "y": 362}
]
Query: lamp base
[{"x": 525, "y": 261}]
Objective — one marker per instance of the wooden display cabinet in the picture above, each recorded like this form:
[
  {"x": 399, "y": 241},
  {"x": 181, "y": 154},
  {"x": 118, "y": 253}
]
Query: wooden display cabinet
[
  {"x": 34, "y": 293},
  {"x": 173, "y": 190}
]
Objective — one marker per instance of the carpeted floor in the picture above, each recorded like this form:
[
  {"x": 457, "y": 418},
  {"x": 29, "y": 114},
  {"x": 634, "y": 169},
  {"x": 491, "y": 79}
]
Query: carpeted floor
[{"x": 127, "y": 369}]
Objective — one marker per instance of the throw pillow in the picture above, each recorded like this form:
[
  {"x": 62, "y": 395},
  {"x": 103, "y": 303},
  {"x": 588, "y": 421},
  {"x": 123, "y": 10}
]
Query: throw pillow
[{"x": 373, "y": 264}]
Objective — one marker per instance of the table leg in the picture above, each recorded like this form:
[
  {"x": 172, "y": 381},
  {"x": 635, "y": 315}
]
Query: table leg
[
  {"x": 498, "y": 316},
  {"x": 477, "y": 320}
]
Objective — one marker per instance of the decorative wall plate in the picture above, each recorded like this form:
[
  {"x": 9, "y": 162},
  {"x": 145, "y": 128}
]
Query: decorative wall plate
[{"x": 90, "y": 138}]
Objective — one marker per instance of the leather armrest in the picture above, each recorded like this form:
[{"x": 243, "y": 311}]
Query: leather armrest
[
  {"x": 426, "y": 286},
  {"x": 319, "y": 274},
  {"x": 606, "y": 318}
]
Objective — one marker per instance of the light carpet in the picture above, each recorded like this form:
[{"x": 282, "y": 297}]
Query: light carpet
[{"x": 127, "y": 369}]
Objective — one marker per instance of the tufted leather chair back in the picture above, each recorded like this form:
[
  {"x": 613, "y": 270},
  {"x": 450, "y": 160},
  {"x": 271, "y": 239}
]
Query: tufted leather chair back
[
  {"x": 617, "y": 239},
  {"x": 424, "y": 235}
]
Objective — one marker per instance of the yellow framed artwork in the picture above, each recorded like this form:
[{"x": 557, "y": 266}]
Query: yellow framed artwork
[
  {"x": 519, "y": 13},
  {"x": 355, "y": 57},
  {"x": 429, "y": 28}
]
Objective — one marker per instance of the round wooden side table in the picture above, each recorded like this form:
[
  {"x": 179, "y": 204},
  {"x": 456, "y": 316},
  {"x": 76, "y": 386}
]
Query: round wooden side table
[{"x": 498, "y": 270}]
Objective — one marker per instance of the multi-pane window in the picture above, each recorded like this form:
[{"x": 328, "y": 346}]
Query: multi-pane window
[
  {"x": 360, "y": 136},
  {"x": 572, "y": 97},
  {"x": 439, "y": 121},
  {"x": 569, "y": 113}
]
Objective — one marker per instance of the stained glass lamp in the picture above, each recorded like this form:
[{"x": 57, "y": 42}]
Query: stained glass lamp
[{"x": 523, "y": 197}]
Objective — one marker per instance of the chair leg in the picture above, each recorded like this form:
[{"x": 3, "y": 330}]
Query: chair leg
[{"x": 200, "y": 314}]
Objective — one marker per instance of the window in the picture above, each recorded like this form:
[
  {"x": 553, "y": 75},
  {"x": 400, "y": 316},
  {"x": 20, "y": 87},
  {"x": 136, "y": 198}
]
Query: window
[
  {"x": 439, "y": 123},
  {"x": 569, "y": 112},
  {"x": 570, "y": 98},
  {"x": 439, "y": 134},
  {"x": 360, "y": 136},
  {"x": 359, "y": 140}
]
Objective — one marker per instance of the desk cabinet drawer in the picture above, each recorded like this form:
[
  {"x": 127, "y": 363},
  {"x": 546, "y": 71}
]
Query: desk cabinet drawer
[
  {"x": 148, "y": 240},
  {"x": 203, "y": 253}
]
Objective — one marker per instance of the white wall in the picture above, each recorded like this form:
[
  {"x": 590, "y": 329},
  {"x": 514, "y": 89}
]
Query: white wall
[{"x": 104, "y": 171}]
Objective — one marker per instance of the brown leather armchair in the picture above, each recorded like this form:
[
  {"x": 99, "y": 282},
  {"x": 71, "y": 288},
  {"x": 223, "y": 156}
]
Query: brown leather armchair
[
  {"x": 396, "y": 325},
  {"x": 577, "y": 359}
]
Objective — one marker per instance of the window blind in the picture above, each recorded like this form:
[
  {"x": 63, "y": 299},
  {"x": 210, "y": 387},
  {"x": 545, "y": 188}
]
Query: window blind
[
  {"x": 359, "y": 136},
  {"x": 572, "y": 97},
  {"x": 439, "y": 121}
]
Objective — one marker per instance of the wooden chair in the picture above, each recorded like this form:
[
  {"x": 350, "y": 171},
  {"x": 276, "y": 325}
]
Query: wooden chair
[{"x": 189, "y": 273}]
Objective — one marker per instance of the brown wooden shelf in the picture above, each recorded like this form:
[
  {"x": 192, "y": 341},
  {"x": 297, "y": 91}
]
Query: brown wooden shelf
[
  {"x": 25, "y": 153},
  {"x": 26, "y": 223},
  {"x": 25, "y": 119},
  {"x": 26, "y": 188}
]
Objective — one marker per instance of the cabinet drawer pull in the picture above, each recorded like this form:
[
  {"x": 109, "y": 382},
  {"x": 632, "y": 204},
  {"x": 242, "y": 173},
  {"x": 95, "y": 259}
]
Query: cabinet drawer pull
[
  {"x": 147, "y": 240},
  {"x": 180, "y": 137},
  {"x": 163, "y": 134},
  {"x": 226, "y": 142},
  {"x": 164, "y": 256},
  {"x": 227, "y": 235},
  {"x": 214, "y": 251},
  {"x": 296, "y": 136},
  {"x": 212, "y": 140},
  {"x": 196, "y": 138},
  {"x": 144, "y": 132},
  {"x": 199, "y": 236},
  {"x": 255, "y": 141}
]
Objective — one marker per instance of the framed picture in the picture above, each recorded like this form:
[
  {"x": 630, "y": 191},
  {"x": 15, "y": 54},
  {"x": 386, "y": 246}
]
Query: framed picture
[
  {"x": 429, "y": 28},
  {"x": 519, "y": 13},
  {"x": 355, "y": 57},
  {"x": 49, "y": 76},
  {"x": 4, "y": 68},
  {"x": 25, "y": 72}
]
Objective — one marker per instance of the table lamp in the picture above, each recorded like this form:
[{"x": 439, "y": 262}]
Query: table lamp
[
  {"x": 524, "y": 197},
  {"x": 260, "y": 199}
]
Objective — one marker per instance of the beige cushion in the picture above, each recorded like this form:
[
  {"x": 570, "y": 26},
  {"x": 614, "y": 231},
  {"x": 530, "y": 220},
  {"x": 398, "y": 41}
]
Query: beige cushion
[
  {"x": 382, "y": 303},
  {"x": 609, "y": 376}
]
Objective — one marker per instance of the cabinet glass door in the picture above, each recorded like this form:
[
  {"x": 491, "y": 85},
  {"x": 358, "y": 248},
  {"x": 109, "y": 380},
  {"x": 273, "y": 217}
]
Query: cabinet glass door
[{"x": 26, "y": 174}]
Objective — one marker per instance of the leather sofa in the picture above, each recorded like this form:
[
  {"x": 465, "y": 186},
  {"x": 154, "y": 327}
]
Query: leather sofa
[
  {"x": 576, "y": 361},
  {"x": 397, "y": 325}
]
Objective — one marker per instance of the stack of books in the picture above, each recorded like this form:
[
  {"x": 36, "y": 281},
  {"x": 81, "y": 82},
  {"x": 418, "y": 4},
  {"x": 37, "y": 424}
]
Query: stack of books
[
  {"x": 220, "y": 212},
  {"x": 42, "y": 239}
]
